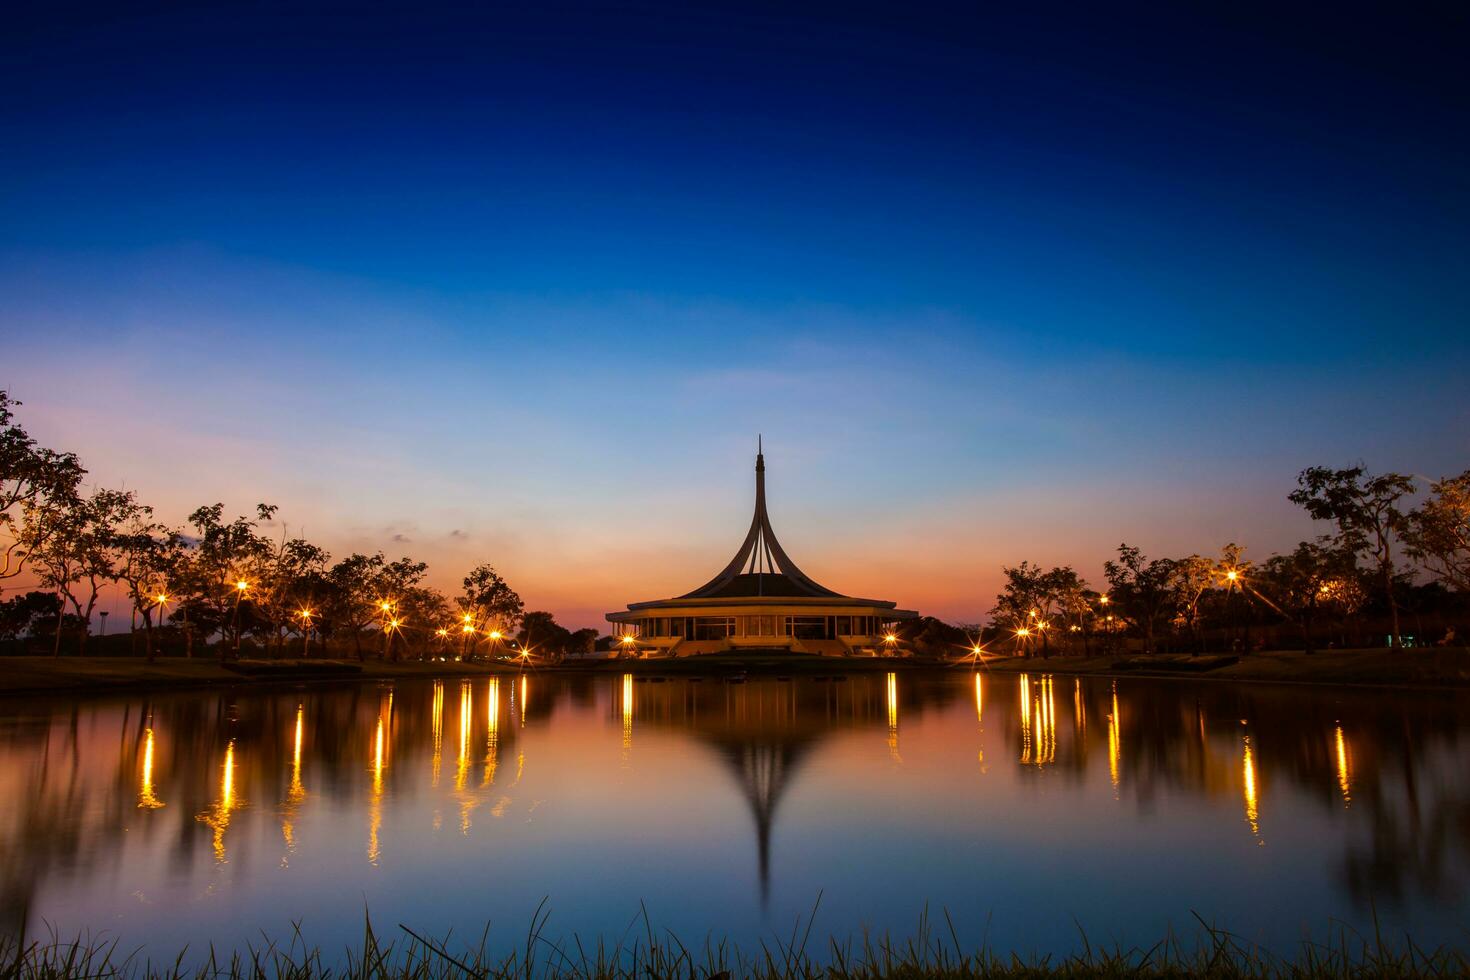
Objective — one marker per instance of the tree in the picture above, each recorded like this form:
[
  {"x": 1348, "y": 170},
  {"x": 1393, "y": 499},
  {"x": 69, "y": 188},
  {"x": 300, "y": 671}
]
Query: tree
[
  {"x": 1191, "y": 579},
  {"x": 540, "y": 631},
  {"x": 77, "y": 554},
  {"x": 1303, "y": 583},
  {"x": 1024, "y": 602},
  {"x": 145, "y": 553},
  {"x": 490, "y": 602},
  {"x": 352, "y": 585},
  {"x": 31, "y": 480},
  {"x": 1437, "y": 533},
  {"x": 1365, "y": 509},
  {"x": 395, "y": 582},
  {"x": 24, "y": 614},
  {"x": 222, "y": 564},
  {"x": 285, "y": 575},
  {"x": 1140, "y": 590}
]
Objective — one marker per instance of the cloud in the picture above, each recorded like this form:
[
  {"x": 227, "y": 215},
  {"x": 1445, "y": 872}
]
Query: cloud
[{"x": 459, "y": 535}]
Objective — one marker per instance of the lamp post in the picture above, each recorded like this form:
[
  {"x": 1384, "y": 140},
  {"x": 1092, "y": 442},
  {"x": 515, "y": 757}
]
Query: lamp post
[
  {"x": 241, "y": 587},
  {"x": 305, "y": 616}
]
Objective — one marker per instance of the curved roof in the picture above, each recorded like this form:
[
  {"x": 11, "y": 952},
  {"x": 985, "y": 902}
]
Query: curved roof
[{"x": 761, "y": 567}]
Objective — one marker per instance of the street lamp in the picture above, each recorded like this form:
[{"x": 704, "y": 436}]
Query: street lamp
[
  {"x": 241, "y": 587},
  {"x": 305, "y": 616}
]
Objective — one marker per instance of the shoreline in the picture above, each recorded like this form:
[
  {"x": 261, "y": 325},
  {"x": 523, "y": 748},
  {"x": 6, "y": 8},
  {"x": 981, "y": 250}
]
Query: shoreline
[{"x": 1435, "y": 669}]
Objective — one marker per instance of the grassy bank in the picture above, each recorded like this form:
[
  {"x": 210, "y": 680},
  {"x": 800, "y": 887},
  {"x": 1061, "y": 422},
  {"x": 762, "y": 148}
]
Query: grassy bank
[
  {"x": 648, "y": 954},
  {"x": 1428, "y": 667}
]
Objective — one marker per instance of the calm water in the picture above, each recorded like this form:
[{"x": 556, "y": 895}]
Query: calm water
[{"x": 1017, "y": 803}]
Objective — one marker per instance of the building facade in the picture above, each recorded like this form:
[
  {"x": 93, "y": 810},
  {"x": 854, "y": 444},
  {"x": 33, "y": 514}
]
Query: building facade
[{"x": 759, "y": 601}]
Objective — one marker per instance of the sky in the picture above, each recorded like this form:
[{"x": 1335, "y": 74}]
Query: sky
[{"x": 524, "y": 284}]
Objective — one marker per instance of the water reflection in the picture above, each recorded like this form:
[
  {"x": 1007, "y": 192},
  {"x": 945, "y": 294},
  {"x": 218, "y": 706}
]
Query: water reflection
[
  {"x": 217, "y": 817},
  {"x": 147, "y": 799},
  {"x": 1368, "y": 788},
  {"x": 1344, "y": 781},
  {"x": 1248, "y": 787},
  {"x": 296, "y": 792}
]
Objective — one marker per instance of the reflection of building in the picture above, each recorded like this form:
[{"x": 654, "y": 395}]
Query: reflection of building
[
  {"x": 763, "y": 731},
  {"x": 761, "y": 600},
  {"x": 763, "y": 767}
]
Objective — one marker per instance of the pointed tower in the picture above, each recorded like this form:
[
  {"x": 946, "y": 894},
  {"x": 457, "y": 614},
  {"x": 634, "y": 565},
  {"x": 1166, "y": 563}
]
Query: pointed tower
[
  {"x": 759, "y": 602},
  {"x": 761, "y": 567}
]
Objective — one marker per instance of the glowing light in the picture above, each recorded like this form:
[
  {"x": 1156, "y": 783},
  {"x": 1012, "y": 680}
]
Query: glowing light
[
  {"x": 979, "y": 700},
  {"x": 217, "y": 817},
  {"x": 628, "y": 639},
  {"x": 437, "y": 726},
  {"x": 161, "y": 598},
  {"x": 1248, "y": 783},
  {"x": 495, "y": 634},
  {"x": 1343, "y": 776},
  {"x": 375, "y": 805},
  {"x": 467, "y": 628},
  {"x": 893, "y": 717},
  {"x": 441, "y": 632},
  {"x": 393, "y": 624},
  {"x": 1023, "y": 632},
  {"x": 147, "y": 800},
  {"x": 890, "y": 638},
  {"x": 1024, "y": 698},
  {"x": 627, "y": 713},
  {"x": 468, "y": 618},
  {"x": 296, "y": 792},
  {"x": 385, "y": 605},
  {"x": 1115, "y": 741},
  {"x": 1232, "y": 575},
  {"x": 242, "y": 585},
  {"x": 305, "y": 614},
  {"x": 466, "y": 705},
  {"x": 1103, "y": 600}
]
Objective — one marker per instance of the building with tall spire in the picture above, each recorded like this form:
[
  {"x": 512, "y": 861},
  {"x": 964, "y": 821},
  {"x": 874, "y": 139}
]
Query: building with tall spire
[{"x": 759, "y": 601}]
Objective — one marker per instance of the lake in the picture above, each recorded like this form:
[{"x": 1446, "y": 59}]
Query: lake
[{"x": 1023, "y": 805}]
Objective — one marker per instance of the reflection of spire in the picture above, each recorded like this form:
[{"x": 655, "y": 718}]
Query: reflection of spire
[{"x": 763, "y": 767}]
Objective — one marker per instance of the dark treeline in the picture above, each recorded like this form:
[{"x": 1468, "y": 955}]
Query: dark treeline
[
  {"x": 239, "y": 584},
  {"x": 1385, "y": 574}
]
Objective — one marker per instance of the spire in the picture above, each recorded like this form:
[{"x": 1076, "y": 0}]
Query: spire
[{"x": 760, "y": 563}]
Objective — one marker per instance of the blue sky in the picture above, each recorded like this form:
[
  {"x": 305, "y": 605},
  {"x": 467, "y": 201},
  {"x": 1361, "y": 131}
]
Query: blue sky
[{"x": 525, "y": 285}]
